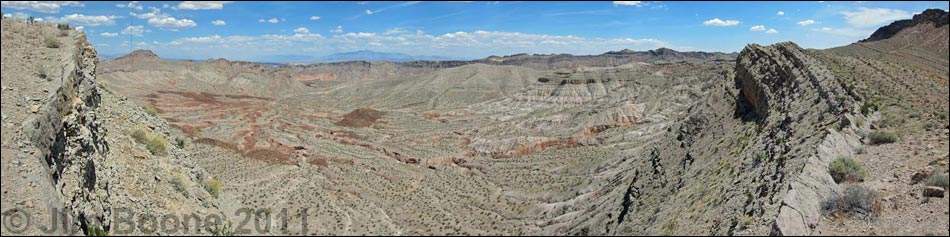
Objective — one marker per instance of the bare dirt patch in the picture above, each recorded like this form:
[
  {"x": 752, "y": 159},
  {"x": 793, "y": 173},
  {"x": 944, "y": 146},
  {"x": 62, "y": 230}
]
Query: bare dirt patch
[{"x": 360, "y": 118}]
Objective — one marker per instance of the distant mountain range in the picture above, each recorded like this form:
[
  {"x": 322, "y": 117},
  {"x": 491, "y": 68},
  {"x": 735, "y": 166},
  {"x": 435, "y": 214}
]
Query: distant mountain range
[{"x": 361, "y": 55}]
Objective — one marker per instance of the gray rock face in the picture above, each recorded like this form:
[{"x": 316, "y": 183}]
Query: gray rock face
[{"x": 69, "y": 138}]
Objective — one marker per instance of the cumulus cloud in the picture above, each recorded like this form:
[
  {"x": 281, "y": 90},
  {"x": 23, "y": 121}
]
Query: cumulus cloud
[
  {"x": 40, "y": 6},
  {"x": 806, "y": 22},
  {"x": 80, "y": 19},
  {"x": 871, "y": 17},
  {"x": 846, "y": 32},
  {"x": 198, "y": 40},
  {"x": 757, "y": 28},
  {"x": 108, "y": 34},
  {"x": 133, "y": 30},
  {"x": 369, "y": 12},
  {"x": 155, "y": 13},
  {"x": 302, "y": 30},
  {"x": 339, "y": 29},
  {"x": 780, "y": 13},
  {"x": 171, "y": 24},
  {"x": 721, "y": 23},
  {"x": 218, "y": 23},
  {"x": 463, "y": 43},
  {"x": 272, "y": 20},
  {"x": 628, "y": 3},
  {"x": 394, "y": 31},
  {"x": 132, "y": 5},
  {"x": 314, "y": 18},
  {"x": 771, "y": 31},
  {"x": 201, "y": 5}
]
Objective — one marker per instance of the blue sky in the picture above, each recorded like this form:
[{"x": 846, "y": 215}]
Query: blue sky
[{"x": 263, "y": 30}]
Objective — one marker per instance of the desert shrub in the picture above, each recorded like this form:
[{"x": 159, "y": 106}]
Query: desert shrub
[
  {"x": 882, "y": 137},
  {"x": 51, "y": 42},
  {"x": 62, "y": 26},
  {"x": 860, "y": 150},
  {"x": 844, "y": 169},
  {"x": 225, "y": 229},
  {"x": 150, "y": 109},
  {"x": 869, "y": 107},
  {"x": 180, "y": 143},
  {"x": 178, "y": 182},
  {"x": 154, "y": 142},
  {"x": 96, "y": 231},
  {"x": 856, "y": 201},
  {"x": 745, "y": 222},
  {"x": 213, "y": 187},
  {"x": 939, "y": 180}
]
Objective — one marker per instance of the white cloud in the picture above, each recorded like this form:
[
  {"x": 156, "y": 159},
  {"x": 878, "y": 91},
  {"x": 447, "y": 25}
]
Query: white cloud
[
  {"x": 218, "y": 23},
  {"x": 171, "y": 24},
  {"x": 394, "y": 31},
  {"x": 369, "y": 12},
  {"x": 339, "y": 29},
  {"x": 108, "y": 34},
  {"x": 771, "y": 31},
  {"x": 132, "y": 5},
  {"x": 721, "y": 23},
  {"x": 133, "y": 30},
  {"x": 806, "y": 22},
  {"x": 272, "y": 20},
  {"x": 846, "y": 32},
  {"x": 80, "y": 28},
  {"x": 870, "y": 17},
  {"x": 302, "y": 30},
  {"x": 757, "y": 28},
  {"x": 201, "y": 5},
  {"x": 628, "y": 3},
  {"x": 40, "y": 6},
  {"x": 462, "y": 44},
  {"x": 200, "y": 40},
  {"x": 80, "y": 19},
  {"x": 155, "y": 13},
  {"x": 780, "y": 13},
  {"x": 314, "y": 18}
]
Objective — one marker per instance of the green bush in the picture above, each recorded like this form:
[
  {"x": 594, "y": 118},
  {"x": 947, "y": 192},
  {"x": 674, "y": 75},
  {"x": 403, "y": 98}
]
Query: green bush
[
  {"x": 154, "y": 142},
  {"x": 846, "y": 169},
  {"x": 96, "y": 231},
  {"x": 213, "y": 187},
  {"x": 180, "y": 143},
  {"x": 856, "y": 201},
  {"x": 882, "y": 137},
  {"x": 939, "y": 180}
]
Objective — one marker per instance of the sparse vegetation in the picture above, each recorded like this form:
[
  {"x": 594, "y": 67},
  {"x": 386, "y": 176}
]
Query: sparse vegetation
[
  {"x": 882, "y": 137},
  {"x": 869, "y": 107},
  {"x": 225, "y": 229},
  {"x": 154, "y": 142},
  {"x": 856, "y": 201},
  {"x": 860, "y": 150},
  {"x": 213, "y": 187},
  {"x": 180, "y": 143},
  {"x": 745, "y": 222},
  {"x": 51, "y": 42},
  {"x": 939, "y": 180},
  {"x": 96, "y": 231},
  {"x": 846, "y": 169},
  {"x": 63, "y": 26},
  {"x": 178, "y": 182},
  {"x": 150, "y": 109}
]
